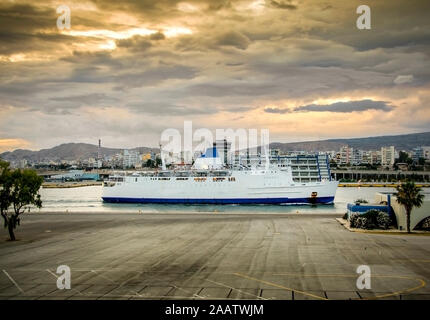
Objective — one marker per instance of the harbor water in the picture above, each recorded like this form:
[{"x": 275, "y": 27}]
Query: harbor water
[{"x": 88, "y": 199}]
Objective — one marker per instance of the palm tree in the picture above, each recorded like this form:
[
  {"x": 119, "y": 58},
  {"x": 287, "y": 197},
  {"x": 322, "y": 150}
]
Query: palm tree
[{"x": 409, "y": 196}]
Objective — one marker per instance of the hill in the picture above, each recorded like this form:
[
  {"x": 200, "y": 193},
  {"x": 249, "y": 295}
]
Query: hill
[
  {"x": 66, "y": 151},
  {"x": 400, "y": 142},
  {"x": 75, "y": 151}
]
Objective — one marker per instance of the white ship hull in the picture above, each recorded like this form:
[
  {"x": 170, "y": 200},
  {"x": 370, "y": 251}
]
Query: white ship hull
[{"x": 238, "y": 187}]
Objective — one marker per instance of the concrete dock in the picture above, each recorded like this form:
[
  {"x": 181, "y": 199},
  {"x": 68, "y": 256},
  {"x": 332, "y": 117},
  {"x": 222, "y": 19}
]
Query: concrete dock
[{"x": 208, "y": 256}]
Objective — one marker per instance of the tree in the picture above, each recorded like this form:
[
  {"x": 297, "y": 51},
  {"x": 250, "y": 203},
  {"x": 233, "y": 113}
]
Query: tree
[
  {"x": 409, "y": 196},
  {"x": 403, "y": 158},
  {"x": 4, "y": 187},
  {"x": 333, "y": 164},
  {"x": 150, "y": 163},
  {"x": 18, "y": 189}
]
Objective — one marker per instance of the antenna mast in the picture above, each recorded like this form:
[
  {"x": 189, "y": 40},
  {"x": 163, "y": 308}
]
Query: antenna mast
[{"x": 163, "y": 162}]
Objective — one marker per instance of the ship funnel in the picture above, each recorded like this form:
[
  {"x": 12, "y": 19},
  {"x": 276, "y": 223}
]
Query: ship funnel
[{"x": 209, "y": 160}]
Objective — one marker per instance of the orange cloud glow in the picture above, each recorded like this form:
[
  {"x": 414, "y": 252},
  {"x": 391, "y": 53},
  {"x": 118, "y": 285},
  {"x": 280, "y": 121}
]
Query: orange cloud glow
[{"x": 12, "y": 144}]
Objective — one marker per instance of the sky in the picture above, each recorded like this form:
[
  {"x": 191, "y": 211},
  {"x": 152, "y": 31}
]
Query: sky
[{"x": 127, "y": 70}]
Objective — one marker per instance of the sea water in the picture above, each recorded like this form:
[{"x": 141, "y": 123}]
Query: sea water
[{"x": 88, "y": 199}]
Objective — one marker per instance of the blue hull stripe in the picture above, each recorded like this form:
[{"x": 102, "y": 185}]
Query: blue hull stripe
[{"x": 221, "y": 201}]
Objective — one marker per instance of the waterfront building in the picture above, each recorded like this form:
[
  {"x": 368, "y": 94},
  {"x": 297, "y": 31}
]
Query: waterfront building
[
  {"x": 23, "y": 163},
  {"x": 332, "y": 155},
  {"x": 388, "y": 156},
  {"x": 366, "y": 157},
  {"x": 75, "y": 175},
  {"x": 375, "y": 157},
  {"x": 357, "y": 157},
  {"x": 348, "y": 155},
  {"x": 420, "y": 152},
  {"x": 92, "y": 162},
  {"x": 345, "y": 155},
  {"x": 130, "y": 159}
]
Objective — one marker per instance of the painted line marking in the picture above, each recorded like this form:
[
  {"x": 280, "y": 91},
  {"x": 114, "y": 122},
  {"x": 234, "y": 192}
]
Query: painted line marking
[
  {"x": 279, "y": 286},
  {"x": 194, "y": 295},
  {"x": 56, "y": 277},
  {"x": 413, "y": 260},
  {"x": 421, "y": 281},
  {"x": 13, "y": 281},
  {"x": 136, "y": 293},
  {"x": 423, "y": 284},
  {"x": 226, "y": 286},
  {"x": 101, "y": 276}
]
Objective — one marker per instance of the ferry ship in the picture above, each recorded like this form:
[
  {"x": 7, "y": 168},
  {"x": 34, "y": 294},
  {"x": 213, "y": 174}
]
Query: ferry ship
[{"x": 210, "y": 182}]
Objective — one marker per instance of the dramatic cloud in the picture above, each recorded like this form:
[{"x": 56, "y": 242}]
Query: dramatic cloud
[
  {"x": 283, "y": 4},
  {"x": 234, "y": 39},
  {"x": 343, "y": 107},
  {"x": 404, "y": 79},
  {"x": 127, "y": 70},
  {"x": 8, "y": 144}
]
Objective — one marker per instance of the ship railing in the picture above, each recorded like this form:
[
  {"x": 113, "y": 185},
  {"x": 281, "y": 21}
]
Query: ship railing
[
  {"x": 116, "y": 179},
  {"x": 172, "y": 173}
]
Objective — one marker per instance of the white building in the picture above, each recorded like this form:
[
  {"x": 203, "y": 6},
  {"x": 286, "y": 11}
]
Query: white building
[
  {"x": 23, "y": 163},
  {"x": 375, "y": 157},
  {"x": 388, "y": 155},
  {"x": 357, "y": 157},
  {"x": 345, "y": 155},
  {"x": 131, "y": 159},
  {"x": 366, "y": 157}
]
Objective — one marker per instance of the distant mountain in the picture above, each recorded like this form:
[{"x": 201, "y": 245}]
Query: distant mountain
[
  {"x": 400, "y": 142},
  {"x": 66, "y": 151},
  {"x": 75, "y": 151}
]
